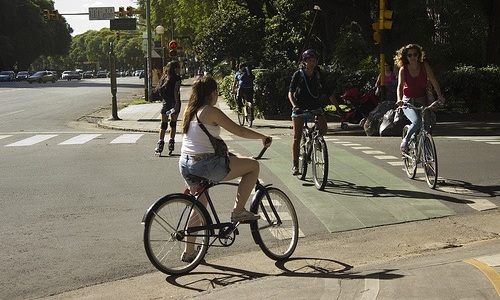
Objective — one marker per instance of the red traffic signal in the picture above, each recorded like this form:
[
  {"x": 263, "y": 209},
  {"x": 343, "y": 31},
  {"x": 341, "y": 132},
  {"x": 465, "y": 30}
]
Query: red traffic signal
[
  {"x": 172, "y": 45},
  {"x": 117, "y": 35}
]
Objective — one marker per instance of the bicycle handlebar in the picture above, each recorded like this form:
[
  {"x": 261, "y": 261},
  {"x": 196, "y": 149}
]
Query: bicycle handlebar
[
  {"x": 422, "y": 108},
  {"x": 267, "y": 142}
]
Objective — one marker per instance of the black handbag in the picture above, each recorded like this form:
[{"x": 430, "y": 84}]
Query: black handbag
[{"x": 219, "y": 145}]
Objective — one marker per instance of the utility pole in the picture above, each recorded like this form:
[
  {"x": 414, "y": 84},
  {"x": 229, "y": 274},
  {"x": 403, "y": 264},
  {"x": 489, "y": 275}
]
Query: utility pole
[{"x": 149, "y": 71}]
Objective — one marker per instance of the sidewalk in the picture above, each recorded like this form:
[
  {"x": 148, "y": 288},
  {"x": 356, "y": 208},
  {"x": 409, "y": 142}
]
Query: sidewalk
[{"x": 343, "y": 265}]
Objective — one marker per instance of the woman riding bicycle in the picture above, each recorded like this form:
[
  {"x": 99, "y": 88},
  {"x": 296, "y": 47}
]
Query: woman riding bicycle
[
  {"x": 306, "y": 87},
  {"x": 413, "y": 80},
  {"x": 198, "y": 160}
]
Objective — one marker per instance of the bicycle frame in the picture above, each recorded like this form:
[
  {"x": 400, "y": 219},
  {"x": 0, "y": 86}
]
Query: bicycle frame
[
  {"x": 422, "y": 132},
  {"x": 422, "y": 150},
  {"x": 227, "y": 227}
]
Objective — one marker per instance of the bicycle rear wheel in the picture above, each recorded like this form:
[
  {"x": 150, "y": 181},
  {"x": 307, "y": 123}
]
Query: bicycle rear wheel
[
  {"x": 277, "y": 230},
  {"x": 241, "y": 112},
  {"x": 165, "y": 233},
  {"x": 249, "y": 111},
  {"x": 303, "y": 156},
  {"x": 429, "y": 160},
  {"x": 409, "y": 158},
  {"x": 320, "y": 163}
]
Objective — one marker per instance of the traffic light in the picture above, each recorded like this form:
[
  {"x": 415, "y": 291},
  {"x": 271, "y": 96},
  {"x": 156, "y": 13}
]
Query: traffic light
[
  {"x": 121, "y": 11},
  {"x": 117, "y": 35},
  {"x": 385, "y": 19},
  {"x": 46, "y": 14},
  {"x": 130, "y": 11},
  {"x": 384, "y": 22},
  {"x": 55, "y": 15},
  {"x": 173, "y": 48}
]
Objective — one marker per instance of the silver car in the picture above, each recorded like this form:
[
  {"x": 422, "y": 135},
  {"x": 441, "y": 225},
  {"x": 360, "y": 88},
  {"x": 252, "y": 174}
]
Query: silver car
[{"x": 42, "y": 76}]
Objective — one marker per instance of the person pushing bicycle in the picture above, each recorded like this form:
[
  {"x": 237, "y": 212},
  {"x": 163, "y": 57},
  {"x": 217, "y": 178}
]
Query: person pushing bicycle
[
  {"x": 243, "y": 79},
  {"x": 305, "y": 91}
]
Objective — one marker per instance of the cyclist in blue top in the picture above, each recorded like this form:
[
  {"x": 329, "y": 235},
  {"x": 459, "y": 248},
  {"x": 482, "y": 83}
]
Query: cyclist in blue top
[
  {"x": 305, "y": 91},
  {"x": 243, "y": 79}
]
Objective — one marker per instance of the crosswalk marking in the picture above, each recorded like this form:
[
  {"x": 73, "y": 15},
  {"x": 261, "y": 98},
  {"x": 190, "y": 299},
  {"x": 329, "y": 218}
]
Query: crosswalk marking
[
  {"x": 373, "y": 152},
  {"x": 385, "y": 157},
  {"x": 127, "y": 139},
  {"x": 32, "y": 140},
  {"x": 80, "y": 139}
]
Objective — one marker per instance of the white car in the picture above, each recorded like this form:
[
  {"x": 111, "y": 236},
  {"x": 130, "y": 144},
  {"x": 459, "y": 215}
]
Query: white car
[{"x": 68, "y": 75}]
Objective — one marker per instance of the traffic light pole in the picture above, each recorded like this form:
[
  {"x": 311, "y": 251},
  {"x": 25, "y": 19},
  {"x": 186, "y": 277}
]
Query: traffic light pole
[
  {"x": 112, "y": 75},
  {"x": 384, "y": 23}
]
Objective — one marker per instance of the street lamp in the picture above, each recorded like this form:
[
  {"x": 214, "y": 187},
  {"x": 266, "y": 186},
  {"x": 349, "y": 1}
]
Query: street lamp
[{"x": 161, "y": 30}]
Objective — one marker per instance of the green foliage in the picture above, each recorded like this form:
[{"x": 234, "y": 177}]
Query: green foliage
[
  {"x": 472, "y": 90},
  {"x": 24, "y": 35},
  {"x": 231, "y": 35}
]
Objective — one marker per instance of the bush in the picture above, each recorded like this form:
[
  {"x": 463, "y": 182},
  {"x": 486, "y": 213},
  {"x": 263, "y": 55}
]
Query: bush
[
  {"x": 472, "y": 90},
  {"x": 271, "y": 88}
]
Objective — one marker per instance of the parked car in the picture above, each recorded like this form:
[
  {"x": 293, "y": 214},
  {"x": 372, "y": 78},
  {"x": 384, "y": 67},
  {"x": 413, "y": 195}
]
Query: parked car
[
  {"x": 141, "y": 75},
  {"x": 102, "y": 74},
  {"x": 68, "y": 75},
  {"x": 42, "y": 76},
  {"x": 22, "y": 75},
  {"x": 88, "y": 74},
  {"x": 7, "y": 76}
]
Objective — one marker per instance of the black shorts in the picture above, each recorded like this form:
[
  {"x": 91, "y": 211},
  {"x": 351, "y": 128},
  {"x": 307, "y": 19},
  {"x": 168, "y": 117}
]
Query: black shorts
[{"x": 168, "y": 105}]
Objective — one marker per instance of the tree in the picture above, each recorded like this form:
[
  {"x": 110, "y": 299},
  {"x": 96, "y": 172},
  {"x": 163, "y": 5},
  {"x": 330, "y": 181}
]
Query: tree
[{"x": 24, "y": 35}]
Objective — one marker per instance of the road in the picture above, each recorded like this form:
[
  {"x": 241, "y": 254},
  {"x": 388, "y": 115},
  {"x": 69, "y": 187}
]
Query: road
[{"x": 72, "y": 202}]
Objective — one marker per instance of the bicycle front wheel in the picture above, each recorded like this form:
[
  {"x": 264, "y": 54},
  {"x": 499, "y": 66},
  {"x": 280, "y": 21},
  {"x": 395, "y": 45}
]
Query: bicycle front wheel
[
  {"x": 277, "y": 230},
  {"x": 429, "y": 160},
  {"x": 166, "y": 233},
  {"x": 320, "y": 163},
  {"x": 409, "y": 158},
  {"x": 303, "y": 156}
]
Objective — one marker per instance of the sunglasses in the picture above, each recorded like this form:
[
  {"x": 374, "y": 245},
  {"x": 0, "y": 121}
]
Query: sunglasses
[{"x": 412, "y": 55}]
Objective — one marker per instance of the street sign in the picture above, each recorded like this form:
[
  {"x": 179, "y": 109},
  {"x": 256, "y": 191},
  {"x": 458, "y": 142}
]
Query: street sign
[
  {"x": 101, "y": 13},
  {"x": 123, "y": 24}
]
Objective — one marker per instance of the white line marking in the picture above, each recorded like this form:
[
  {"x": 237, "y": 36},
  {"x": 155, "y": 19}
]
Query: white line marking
[
  {"x": 4, "y": 136},
  {"x": 32, "y": 140},
  {"x": 371, "y": 290},
  {"x": 126, "y": 139},
  {"x": 396, "y": 163},
  {"x": 385, "y": 157},
  {"x": 350, "y": 145},
  {"x": 481, "y": 204},
  {"x": 80, "y": 139},
  {"x": 11, "y": 113},
  {"x": 490, "y": 260},
  {"x": 373, "y": 152},
  {"x": 362, "y": 148}
]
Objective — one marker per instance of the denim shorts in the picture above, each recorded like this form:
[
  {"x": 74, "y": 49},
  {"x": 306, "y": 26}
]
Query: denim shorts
[{"x": 205, "y": 166}]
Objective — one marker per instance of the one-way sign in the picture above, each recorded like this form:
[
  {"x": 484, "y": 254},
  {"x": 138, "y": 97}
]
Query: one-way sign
[{"x": 101, "y": 13}]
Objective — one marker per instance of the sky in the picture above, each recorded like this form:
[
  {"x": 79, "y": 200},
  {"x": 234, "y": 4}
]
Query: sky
[{"x": 81, "y": 24}]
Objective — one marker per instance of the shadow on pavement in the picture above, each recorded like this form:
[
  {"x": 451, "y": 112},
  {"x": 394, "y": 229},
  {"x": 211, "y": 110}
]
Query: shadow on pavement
[{"x": 304, "y": 267}]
